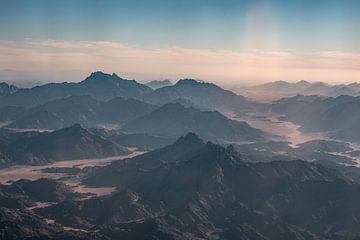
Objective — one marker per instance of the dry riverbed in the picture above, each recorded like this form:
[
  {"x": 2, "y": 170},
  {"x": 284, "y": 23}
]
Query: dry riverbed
[{"x": 9, "y": 175}]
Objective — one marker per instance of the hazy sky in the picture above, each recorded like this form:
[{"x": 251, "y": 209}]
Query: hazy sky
[{"x": 234, "y": 41}]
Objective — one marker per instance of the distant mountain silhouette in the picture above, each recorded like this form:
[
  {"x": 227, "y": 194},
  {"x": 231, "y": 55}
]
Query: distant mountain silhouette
[
  {"x": 173, "y": 120},
  {"x": 103, "y": 87},
  {"x": 340, "y": 116},
  {"x": 98, "y": 85},
  {"x": 158, "y": 84},
  {"x": 201, "y": 94},
  {"x": 323, "y": 89},
  {"x": 283, "y": 88}
]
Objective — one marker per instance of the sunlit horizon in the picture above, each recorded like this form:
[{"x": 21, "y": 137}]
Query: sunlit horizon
[{"x": 236, "y": 42}]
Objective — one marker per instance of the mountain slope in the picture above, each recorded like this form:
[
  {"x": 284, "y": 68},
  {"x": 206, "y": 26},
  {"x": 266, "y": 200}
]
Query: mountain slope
[
  {"x": 279, "y": 89},
  {"x": 120, "y": 110},
  {"x": 283, "y": 86},
  {"x": 201, "y": 94},
  {"x": 6, "y": 89},
  {"x": 61, "y": 113},
  {"x": 121, "y": 171},
  {"x": 173, "y": 120},
  {"x": 65, "y": 144}
]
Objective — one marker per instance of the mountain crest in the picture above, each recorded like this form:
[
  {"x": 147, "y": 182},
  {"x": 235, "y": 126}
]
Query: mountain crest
[
  {"x": 101, "y": 76},
  {"x": 189, "y": 81},
  {"x": 75, "y": 131},
  {"x": 7, "y": 89},
  {"x": 190, "y": 138}
]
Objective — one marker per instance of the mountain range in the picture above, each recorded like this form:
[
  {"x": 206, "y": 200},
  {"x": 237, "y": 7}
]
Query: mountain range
[
  {"x": 100, "y": 86},
  {"x": 133, "y": 117},
  {"x": 339, "y": 116},
  {"x": 210, "y": 192},
  {"x": 69, "y": 143},
  {"x": 173, "y": 120},
  {"x": 283, "y": 88},
  {"x": 103, "y": 87},
  {"x": 201, "y": 94},
  {"x": 64, "y": 112}
]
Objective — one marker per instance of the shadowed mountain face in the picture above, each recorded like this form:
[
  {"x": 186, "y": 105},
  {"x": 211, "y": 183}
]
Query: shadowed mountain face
[
  {"x": 24, "y": 193},
  {"x": 141, "y": 141},
  {"x": 98, "y": 85},
  {"x": 340, "y": 116},
  {"x": 119, "y": 172},
  {"x": 65, "y": 144},
  {"x": 77, "y": 109},
  {"x": 202, "y": 95},
  {"x": 10, "y": 113},
  {"x": 209, "y": 192},
  {"x": 173, "y": 120},
  {"x": 6, "y": 89}
]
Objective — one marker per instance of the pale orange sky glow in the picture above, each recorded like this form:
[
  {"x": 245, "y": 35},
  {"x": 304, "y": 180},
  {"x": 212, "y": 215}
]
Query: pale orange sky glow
[{"x": 51, "y": 60}]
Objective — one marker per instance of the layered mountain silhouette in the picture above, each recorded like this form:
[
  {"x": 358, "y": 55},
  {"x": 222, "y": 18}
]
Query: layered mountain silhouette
[
  {"x": 69, "y": 143},
  {"x": 283, "y": 88},
  {"x": 340, "y": 116},
  {"x": 173, "y": 120},
  {"x": 323, "y": 89},
  {"x": 77, "y": 109},
  {"x": 210, "y": 192},
  {"x": 201, "y": 94},
  {"x": 98, "y": 85},
  {"x": 158, "y": 84}
]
